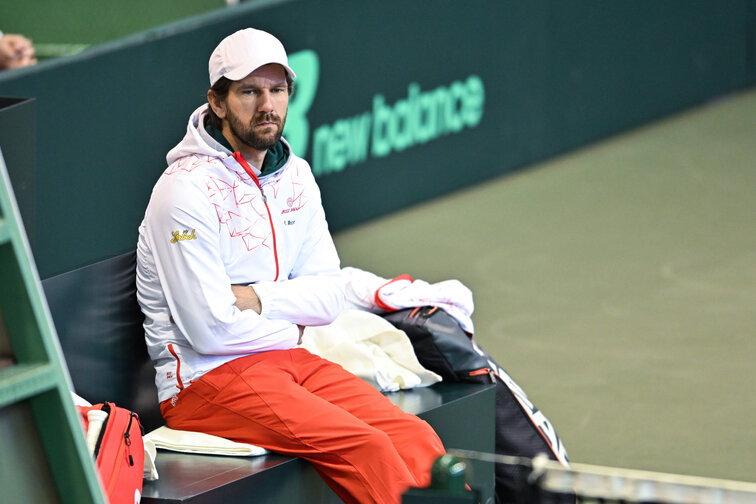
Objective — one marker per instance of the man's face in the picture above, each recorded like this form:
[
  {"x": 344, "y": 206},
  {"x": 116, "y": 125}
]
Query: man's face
[{"x": 256, "y": 107}]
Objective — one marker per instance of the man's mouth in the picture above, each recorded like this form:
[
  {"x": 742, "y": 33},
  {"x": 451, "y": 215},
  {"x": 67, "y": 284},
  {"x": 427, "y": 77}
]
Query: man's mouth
[{"x": 266, "y": 122}]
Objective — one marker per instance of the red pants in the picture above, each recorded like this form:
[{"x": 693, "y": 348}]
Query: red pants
[{"x": 292, "y": 402}]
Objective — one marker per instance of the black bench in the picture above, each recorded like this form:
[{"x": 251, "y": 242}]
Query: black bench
[{"x": 99, "y": 326}]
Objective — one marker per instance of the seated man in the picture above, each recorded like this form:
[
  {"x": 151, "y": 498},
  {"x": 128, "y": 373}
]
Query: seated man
[{"x": 234, "y": 260}]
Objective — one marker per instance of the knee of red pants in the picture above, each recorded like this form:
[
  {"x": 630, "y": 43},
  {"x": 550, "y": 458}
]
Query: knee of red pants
[
  {"x": 365, "y": 467},
  {"x": 424, "y": 448}
]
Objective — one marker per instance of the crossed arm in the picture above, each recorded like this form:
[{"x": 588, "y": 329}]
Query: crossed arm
[
  {"x": 221, "y": 312},
  {"x": 246, "y": 299}
]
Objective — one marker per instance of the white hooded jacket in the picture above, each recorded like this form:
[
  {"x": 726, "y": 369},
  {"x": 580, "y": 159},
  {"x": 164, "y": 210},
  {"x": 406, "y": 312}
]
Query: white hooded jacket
[{"x": 210, "y": 225}]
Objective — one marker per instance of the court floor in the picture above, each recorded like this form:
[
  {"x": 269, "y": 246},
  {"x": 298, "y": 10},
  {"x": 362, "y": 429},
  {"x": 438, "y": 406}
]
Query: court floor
[{"x": 616, "y": 284}]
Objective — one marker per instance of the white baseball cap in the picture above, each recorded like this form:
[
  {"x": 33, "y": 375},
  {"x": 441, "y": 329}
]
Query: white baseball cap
[{"x": 243, "y": 52}]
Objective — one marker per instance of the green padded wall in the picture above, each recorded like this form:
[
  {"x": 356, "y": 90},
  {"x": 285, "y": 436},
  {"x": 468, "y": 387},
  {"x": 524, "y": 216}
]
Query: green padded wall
[
  {"x": 18, "y": 141},
  {"x": 44, "y": 458},
  {"x": 52, "y": 22},
  {"x": 397, "y": 102}
]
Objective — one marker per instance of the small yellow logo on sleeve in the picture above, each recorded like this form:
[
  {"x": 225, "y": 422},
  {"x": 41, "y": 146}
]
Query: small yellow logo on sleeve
[{"x": 183, "y": 235}]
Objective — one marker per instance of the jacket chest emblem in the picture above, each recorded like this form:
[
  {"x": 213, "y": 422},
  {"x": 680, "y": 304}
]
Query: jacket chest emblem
[
  {"x": 183, "y": 235},
  {"x": 294, "y": 202}
]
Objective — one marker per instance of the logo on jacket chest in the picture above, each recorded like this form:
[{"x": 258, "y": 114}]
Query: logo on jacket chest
[
  {"x": 183, "y": 235},
  {"x": 294, "y": 203},
  {"x": 287, "y": 210}
]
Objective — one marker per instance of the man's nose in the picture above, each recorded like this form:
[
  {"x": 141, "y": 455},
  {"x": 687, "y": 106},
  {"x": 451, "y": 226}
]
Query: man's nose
[{"x": 266, "y": 103}]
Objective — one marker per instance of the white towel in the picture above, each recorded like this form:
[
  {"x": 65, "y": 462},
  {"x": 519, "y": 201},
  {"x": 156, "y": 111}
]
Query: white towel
[
  {"x": 372, "y": 348},
  {"x": 150, "y": 470},
  {"x": 165, "y": 438}
]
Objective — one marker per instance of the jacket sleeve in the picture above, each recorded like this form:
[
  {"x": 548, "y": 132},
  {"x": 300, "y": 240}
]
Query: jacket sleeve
[
  {"x": 312, "y": 294},
  {"x": 194, "y": 280}
]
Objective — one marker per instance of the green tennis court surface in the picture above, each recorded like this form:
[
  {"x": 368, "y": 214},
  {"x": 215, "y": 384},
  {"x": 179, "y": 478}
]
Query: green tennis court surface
[{"x": 616, "y": 284}]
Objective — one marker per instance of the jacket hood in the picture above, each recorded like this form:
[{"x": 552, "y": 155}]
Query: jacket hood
[{"x": 197, "y": 141}]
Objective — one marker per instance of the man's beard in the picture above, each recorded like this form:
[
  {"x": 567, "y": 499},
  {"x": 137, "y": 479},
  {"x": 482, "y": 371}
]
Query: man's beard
[{"x": 248, "y": 136}]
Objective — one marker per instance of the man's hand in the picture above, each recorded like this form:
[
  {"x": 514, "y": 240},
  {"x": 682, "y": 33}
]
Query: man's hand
[
  {"x": 246, "y": 298},
  {"x": 16, "y": 51}
]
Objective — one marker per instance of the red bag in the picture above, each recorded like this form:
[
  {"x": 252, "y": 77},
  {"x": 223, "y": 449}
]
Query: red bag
[{"x": 118, "y": 450}]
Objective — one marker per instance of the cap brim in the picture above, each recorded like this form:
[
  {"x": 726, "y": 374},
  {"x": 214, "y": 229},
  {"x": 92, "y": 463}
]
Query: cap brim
[{"x": 240, "y": 73}]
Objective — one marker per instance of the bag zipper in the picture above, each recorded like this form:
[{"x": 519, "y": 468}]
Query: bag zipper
[
  {"x": 482, "y": 371},
  {"x": 116, "y": 467},
  {"x": 120, "y": 455},
  {"x": 127, "y": 439}
]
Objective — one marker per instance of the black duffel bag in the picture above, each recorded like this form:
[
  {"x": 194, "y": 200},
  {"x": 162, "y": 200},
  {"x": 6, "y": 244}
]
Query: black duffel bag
[{"x": 522, "y": 430}]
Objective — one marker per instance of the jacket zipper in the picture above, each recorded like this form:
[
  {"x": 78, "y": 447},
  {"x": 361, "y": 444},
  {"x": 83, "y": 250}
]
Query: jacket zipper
[{"x": 243, "y": 162}]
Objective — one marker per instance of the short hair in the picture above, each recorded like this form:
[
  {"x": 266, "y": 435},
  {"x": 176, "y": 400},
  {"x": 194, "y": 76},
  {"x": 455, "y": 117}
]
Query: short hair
[{"x": 220, "y": 91}]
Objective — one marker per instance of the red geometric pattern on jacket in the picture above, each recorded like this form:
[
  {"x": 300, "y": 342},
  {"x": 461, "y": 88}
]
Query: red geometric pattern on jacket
[{"x": 233, "y": 201}]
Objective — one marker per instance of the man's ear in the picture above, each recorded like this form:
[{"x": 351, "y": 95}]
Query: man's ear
[{"x": 218, "y": 105}]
